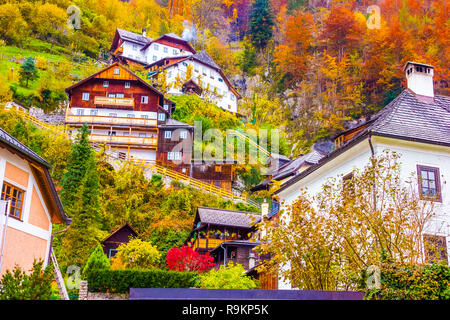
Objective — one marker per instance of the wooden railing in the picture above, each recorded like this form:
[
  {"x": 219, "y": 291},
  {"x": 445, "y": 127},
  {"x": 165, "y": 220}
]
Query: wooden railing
[
  {"x": 70, "y": 118},
  {"x": 262, "y": 150},
  {"x": 207, "y": 243},
  {"x": 119, "y": 102},
  {"x": 123, "y": 139}
]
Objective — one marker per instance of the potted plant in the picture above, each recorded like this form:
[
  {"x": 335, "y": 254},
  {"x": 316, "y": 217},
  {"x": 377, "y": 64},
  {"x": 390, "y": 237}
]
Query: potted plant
[
  {"x": 233, "y": 235},
  {"x": 210, "y": 233},
  {"x": 218, "y": 234}
]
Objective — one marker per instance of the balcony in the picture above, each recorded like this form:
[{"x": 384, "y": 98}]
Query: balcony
[
  {"x": 73, "y": 119},
  {"x": 207, "y": 243},
  {"x": 114, "y": 102},
  {"x": 125, "y": 140}
]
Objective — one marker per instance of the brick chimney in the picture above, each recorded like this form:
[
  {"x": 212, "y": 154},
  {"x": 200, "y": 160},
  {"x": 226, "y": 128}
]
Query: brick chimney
[{"x": 419, "y": 77}]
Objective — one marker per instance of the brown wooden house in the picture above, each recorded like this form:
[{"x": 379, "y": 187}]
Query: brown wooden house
[
  {"x": 126, "y": 113},
  {"x": 227, "y": 234},
  {"x": 121, "y": 235},
  {"x": 216, "y": 173}
]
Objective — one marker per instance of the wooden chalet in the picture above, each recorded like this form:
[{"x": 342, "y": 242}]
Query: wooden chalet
[
  {"x": 227, "y": 234},
  {"x": 121, "y": 235},
  {"x": 124, "y": 112},
  {"x": 190, "y": 87},
  {"x": 217, "y": 173}
]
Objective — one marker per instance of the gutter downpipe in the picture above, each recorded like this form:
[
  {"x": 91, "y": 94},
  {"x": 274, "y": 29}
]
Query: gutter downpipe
[
  {"x": 5, "y": 227},
  {"x": 224, "y": 254},
  {"x": 374, "y": 191}
]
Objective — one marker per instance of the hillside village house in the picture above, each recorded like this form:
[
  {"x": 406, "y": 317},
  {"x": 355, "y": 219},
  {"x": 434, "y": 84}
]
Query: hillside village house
[
  {"x": 416, "y": 124},
  {"x": 212, "y": 83},
  {"x": 34, "y": 206},
  {"x": 130, "y": 116},
  {"x": 133, "y": 48}
]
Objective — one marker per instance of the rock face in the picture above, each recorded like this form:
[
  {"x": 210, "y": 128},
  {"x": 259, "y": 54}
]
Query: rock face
[{"x": 54, "y": 117}]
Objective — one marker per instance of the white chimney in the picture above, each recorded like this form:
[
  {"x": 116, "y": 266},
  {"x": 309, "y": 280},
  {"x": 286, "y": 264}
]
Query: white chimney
[
  {"x": 144, "y": 31},
  {"x": 264, "y": 209},
  {"x": 420, "y": 78}
]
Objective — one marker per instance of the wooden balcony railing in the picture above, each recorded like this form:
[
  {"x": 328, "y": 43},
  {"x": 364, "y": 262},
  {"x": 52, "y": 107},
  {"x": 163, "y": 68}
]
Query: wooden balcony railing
[
  {"x": 127, "y": 140},
  {"x": 70, "y": 118},
  {"x": 118, "y": 102},
  {"x": 207, "y": 243}
]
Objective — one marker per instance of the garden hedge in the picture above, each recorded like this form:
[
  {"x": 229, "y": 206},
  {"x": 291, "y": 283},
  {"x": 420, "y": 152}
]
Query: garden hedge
[
  {"x": 428, "y": 282},
  {"x": 120, "y": 281}
]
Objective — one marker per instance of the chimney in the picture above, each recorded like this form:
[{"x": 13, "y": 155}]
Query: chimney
[
  {"x": 264, "y": 209},
  {"x": 419, "y": 77},
  {"x": 144, "y": 32}
]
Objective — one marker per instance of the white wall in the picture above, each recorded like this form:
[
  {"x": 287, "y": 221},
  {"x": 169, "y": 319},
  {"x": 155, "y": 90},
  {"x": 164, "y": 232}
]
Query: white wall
[
  {"x": 225, "y": 98},
  {"x": 157, "y": 51},
  {"x": 118, "y": 112}
]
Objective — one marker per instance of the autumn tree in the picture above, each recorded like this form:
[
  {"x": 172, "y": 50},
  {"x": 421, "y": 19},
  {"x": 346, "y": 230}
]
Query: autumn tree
[
  {"x": 136, "y": 254},
  {"x": 13, "y": 28},
  {"x": 231, "y": 276},
  {"x": 327, "y": 240}
]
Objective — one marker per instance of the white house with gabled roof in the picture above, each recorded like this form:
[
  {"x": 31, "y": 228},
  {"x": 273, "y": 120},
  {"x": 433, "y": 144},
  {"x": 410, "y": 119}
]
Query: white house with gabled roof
[{"x": 416, "y": 125}]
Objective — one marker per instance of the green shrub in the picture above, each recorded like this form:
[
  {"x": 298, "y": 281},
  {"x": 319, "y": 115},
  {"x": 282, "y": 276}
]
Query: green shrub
[
  {"x": 428, "y": 282},
  {"x": 97, "y": 260},
  {"x": 120, "y": 281}
]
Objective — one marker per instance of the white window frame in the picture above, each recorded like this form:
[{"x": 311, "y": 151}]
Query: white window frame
[
  {"x": 183, "y": 134},
  {"x": 105, "y": 83},
  {"x": 85, "y": 96},
  {"x": 116, "y": 70},
  {"x": 144, "y": 99},
  {"x": 127, "y": 85},
  {"x": 161, "y": 116},
  {"x": 167, "y": 134},
  {"x": 80, "y": 112}
]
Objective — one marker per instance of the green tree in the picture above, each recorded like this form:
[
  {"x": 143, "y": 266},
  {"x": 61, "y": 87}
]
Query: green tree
[
  {"x": 96, "y": 261},
  {"x": 28, "y": 71},
  {"x": 261, "y": 23},
  {"x": 77, "y": 167},
  {"x": 231, "y": 276},
  {"x": 18, "y": 285},
  {"x": 137, "y": 254}
]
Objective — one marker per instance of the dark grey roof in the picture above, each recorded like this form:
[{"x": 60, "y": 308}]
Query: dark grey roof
[
  {"x": 226, "y": 217},
  {"x": 204, "y": 57},
  {"x": 173, "y": 35},
  {"x": 134, "y": 37},
  {"x": 19, "y": 146},
  {"x": 312, "y": 157},
  {"x": 407, "y": 117}
]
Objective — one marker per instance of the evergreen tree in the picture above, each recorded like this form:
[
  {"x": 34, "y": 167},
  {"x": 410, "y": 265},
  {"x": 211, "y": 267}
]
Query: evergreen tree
[
  {"x": 261, "y": 23},
  {"x": 28, "y": 71},
  {"x": 77, "y": 167},
  {"x": 97, "y": 260}
]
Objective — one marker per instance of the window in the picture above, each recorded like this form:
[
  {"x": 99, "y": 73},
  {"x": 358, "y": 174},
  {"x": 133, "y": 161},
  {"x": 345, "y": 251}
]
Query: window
[
  {"x": 111, "y": 95},
  {"x": 126, "y": 133},
  {"x": 94, "y": 112},
  {"x": 166, "y": 107},
  {"x": 130, "y": 115},
  {"x": 113, "y": 114},
  {"x": 85, "y": 96},
  {"x": 204, "y": 71},
  {"x": 142, "y": 134},
  {"x": 155, "y": 58},
  {"x": 183, "y": 170},
  {"x": 169, "y": 74},
  {"x": 116, "y": 71},
  {"x": 161, "y": 116},
  {"x": 166, "y": 49},
  {"x": 127, "y": 85},
  {"x": 167, "y": 134},
  {"x": 134, "y": 47},
  {"x": 185, "y": 64},
  {"x": 156, "y": 47},
  {"x": 80, "y": 112},
  {"x": 111, "y": 133},
  {"x": 106, "y": 84},
  {"x": 218, "y": 168},
  {"x": 144, "y": 99},
  {"x": 183, "y": 134},
  {"x": 16, "y": 196},
  {"x": 174, "y": 155},
  {"x": 220, "y": 79},
  {"x": 232, "y": 96},
  {"x": 429, "y": 183},
  {"x": 435, "y": 248},
  {"x": 112, "y": 253},
  {"x": 120, "y": 95},
  {"x": 144, "y": 116},
  {"x": 175, "y": 51}
]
